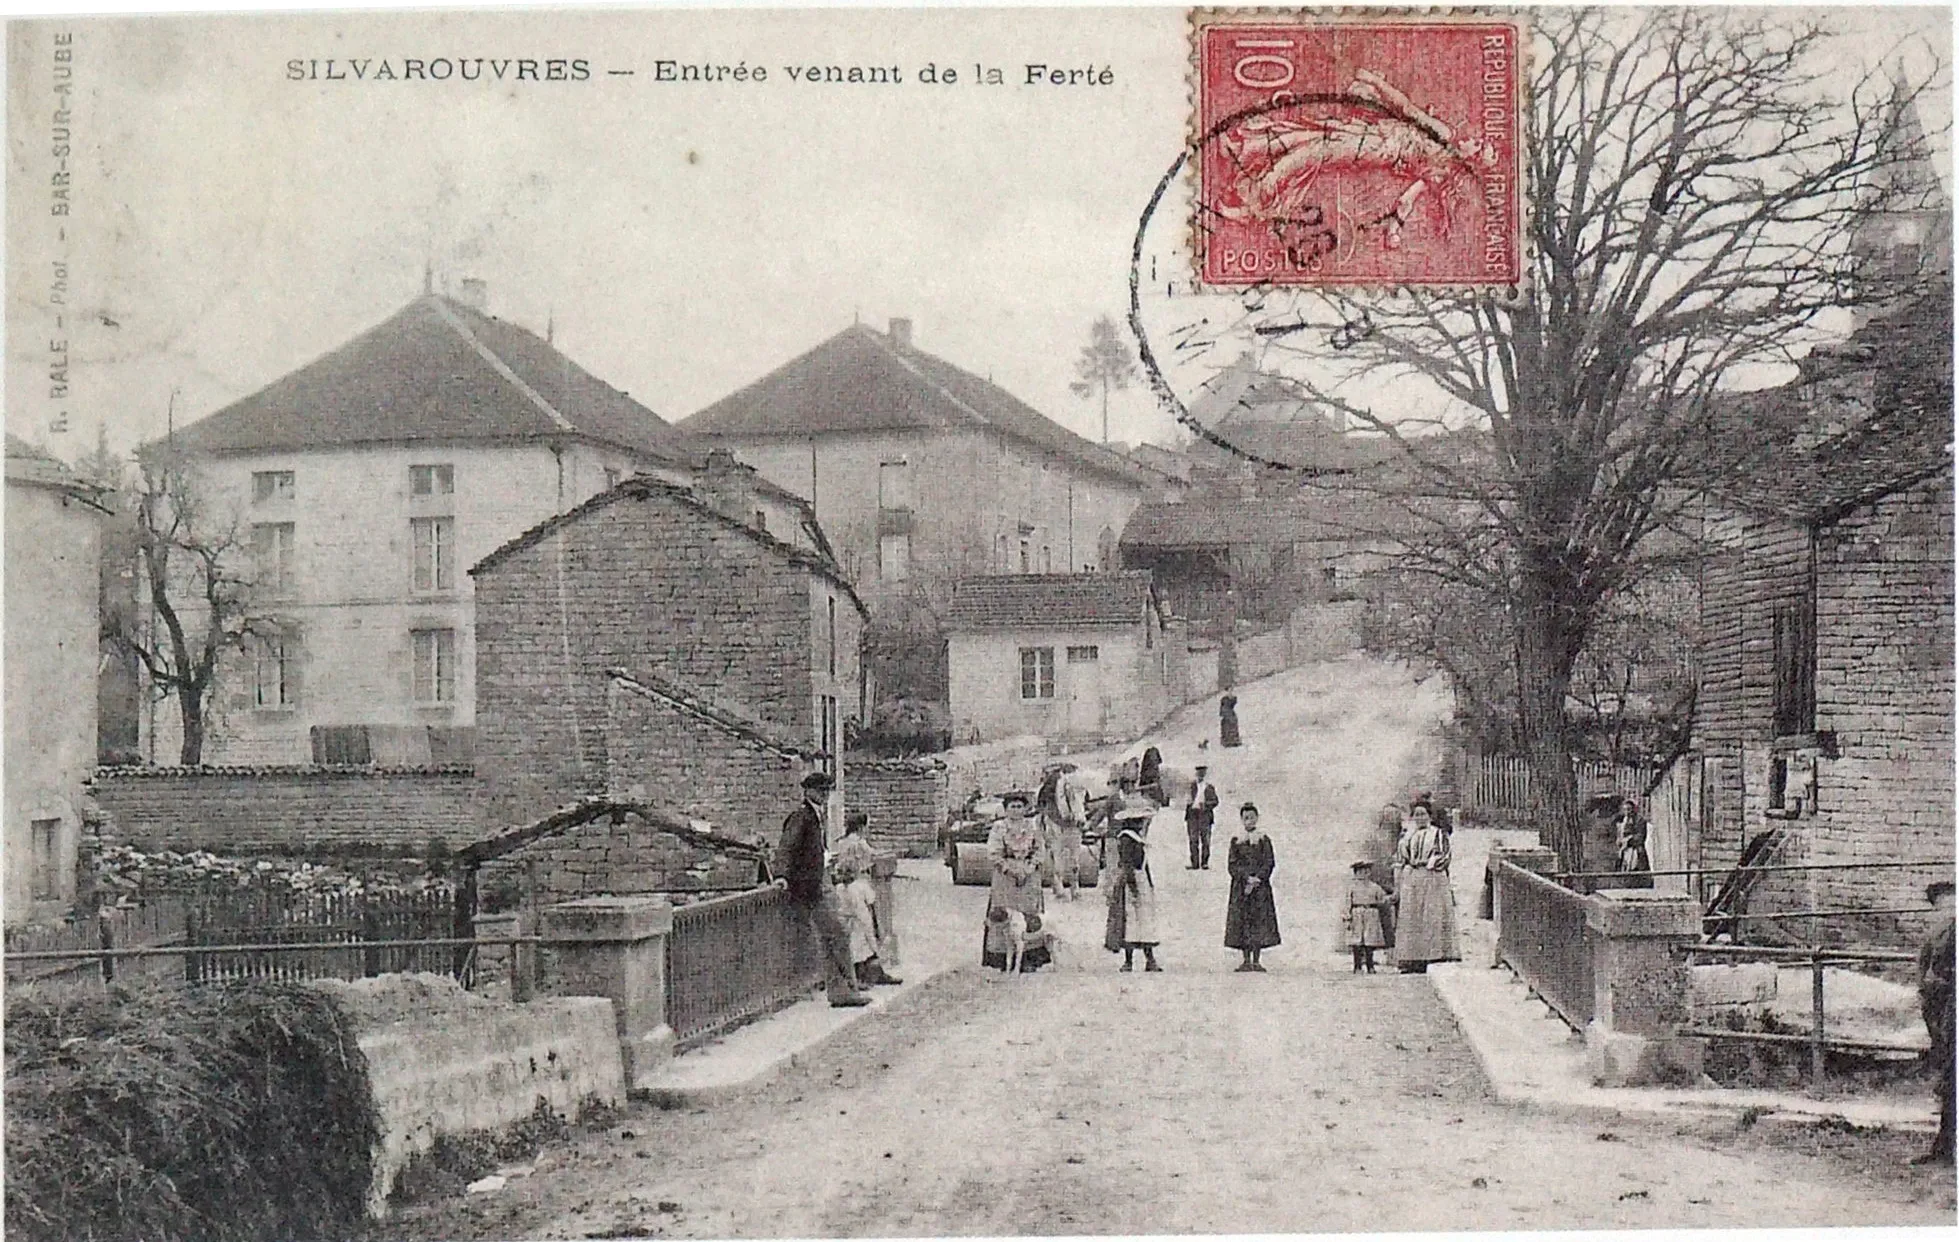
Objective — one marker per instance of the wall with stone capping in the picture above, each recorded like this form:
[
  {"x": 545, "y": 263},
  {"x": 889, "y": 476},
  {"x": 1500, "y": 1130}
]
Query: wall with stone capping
[{"x": 297, "y": 810}]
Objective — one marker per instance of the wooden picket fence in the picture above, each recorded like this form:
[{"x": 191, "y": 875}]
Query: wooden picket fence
[{"x": 1501, "y": 784}]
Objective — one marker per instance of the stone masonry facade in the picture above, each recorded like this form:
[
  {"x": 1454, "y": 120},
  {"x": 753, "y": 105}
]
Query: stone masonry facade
[
  {"x": 1883, "y": 747},
  {"x": 288, "y": 810},
  {"x": 648, "y": 580}
]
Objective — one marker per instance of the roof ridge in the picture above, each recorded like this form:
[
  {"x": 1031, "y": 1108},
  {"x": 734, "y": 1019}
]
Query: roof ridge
[
  {"x": 498, "y": 365},
  {"x": 885, "y": 344}
]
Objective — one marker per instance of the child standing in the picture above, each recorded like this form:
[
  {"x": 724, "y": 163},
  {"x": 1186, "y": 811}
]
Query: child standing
[
  {"x": 1251, "y": 918},
  {"x": 1365, "y": 930}
]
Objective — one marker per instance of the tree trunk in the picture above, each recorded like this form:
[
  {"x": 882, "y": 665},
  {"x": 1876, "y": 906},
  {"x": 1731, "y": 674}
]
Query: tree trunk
[
  {"x": 1544, "y": 662},
  {"x": 190, "y": 706}
]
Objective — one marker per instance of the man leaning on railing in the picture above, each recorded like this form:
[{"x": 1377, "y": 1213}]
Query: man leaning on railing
[{"x": 801, "y": 873}]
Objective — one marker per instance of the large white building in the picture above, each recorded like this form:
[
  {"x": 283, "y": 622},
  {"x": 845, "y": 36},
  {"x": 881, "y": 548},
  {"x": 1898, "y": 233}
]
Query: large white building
[{"x": 366, "y": 484}]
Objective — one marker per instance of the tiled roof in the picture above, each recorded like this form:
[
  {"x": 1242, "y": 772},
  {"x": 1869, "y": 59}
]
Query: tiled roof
[
  {"x": 1809, "y": 453},
  {"x": 30, "y": 465},
  {"x": 644, "y": 487},
  {"x": 1223, "y": 516},
  {"x": 696, "y": 704},
  {"x": 862, "y": 380},
  {"x": 438, "y": 371},
  {"x": 1048, "y": 601}
]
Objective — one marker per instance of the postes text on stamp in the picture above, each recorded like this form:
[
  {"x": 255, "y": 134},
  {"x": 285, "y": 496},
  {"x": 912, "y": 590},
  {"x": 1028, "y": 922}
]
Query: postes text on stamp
[{"x": 1352, "y": 152}]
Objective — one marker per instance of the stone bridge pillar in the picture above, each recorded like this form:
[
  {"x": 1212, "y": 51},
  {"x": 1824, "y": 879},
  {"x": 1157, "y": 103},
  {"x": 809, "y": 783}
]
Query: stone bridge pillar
[
  {"x": 1640, "y": 989},
  {"x": 615, "y": 947}
]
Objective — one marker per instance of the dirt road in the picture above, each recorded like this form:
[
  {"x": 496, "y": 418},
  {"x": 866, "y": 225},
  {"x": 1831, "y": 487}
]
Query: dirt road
[{"x": 1198, "y": 1100}]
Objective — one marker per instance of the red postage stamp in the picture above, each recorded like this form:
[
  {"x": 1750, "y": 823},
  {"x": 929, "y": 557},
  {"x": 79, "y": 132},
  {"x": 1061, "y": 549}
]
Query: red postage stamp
[{"x": 1359, "y": 151}]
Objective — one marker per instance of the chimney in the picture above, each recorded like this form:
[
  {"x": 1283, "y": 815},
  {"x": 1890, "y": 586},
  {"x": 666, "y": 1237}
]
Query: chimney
[
  {"x": 727, "y": 486},
  {"x": 901, "y": 332},
  {"x": 475, "y": 294}
]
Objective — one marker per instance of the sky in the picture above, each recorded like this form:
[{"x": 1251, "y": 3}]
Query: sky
[{"x": 227, "y": 223}]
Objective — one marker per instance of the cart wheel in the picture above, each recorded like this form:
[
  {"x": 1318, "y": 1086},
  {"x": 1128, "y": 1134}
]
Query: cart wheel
[{"x": 969, "y": 865}]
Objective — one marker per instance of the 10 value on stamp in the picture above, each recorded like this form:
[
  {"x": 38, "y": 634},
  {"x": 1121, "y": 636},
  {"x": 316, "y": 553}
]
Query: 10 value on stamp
[{"x": 1358, "y": 152}]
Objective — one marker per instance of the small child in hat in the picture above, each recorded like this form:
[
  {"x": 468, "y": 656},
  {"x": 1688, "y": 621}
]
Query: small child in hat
[{"x": 1366, "y": 929}]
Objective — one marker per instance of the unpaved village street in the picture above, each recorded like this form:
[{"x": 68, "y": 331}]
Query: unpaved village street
[{"x": 1199, "y": 1100}]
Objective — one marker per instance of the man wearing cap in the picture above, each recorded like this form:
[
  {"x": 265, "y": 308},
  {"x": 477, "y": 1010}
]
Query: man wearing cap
[
  {"x": 1935, "y": 1001},
  {"x": 1200, "y": 813},
  {"x": 800, "y": 870}
]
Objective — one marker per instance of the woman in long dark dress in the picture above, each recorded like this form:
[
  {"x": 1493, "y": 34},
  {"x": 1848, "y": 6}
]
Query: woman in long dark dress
[
  {"x": 1251, "y": 919},
  {"x": 1228, "y": 721}
]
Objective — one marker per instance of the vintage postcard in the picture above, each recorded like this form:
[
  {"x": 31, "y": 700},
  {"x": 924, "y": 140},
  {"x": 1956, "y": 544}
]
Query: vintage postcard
[{"x": 927, "y": 621}]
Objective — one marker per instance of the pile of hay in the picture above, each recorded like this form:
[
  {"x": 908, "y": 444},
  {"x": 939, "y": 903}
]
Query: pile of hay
[{"x": 227, "y": 1112}]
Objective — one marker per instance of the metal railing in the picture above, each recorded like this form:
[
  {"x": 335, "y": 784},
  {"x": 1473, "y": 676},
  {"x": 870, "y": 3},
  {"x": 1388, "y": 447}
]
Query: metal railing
[
  {"x": 733, "y": 959},
  {"x": 1818, "y": 1039},
  {"x": 1541, "y": 935}
]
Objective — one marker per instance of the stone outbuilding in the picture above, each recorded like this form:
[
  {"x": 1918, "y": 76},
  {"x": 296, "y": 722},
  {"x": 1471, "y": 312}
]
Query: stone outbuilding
[
  {"x": 1080, "y": 656},
  {"x": 1825, "y": 720},
  {"x": 664, "y": 639}
]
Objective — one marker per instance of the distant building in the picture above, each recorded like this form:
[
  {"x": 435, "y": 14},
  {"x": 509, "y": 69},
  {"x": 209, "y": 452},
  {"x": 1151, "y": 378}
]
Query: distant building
[
  {"x": 53, "y": 625},
  {"x": 921, "y": 471},
  {"x": 1825, "y": 718},
  {"x": 1079, "y": 657},
  {"x": 367, "y": 482},
  {"x": 665, "y": 643}
]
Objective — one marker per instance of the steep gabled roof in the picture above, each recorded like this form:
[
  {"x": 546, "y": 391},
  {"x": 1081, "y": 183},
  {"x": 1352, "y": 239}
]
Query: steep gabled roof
[
  {"x": 863, "y": 380},
  {"x": 1869, "y": 417},
  {"x": 643, "y": 488},
  {"x": 1049, "y": 602},
  {"x": 437, "y": 371}
]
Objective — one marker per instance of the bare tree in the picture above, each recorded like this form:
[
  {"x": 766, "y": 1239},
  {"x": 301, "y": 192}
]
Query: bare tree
[
  {"x": 195, "y": 602},
  {"x": 1105, "y": 364},
  {"x": 1697, "y": 181}
]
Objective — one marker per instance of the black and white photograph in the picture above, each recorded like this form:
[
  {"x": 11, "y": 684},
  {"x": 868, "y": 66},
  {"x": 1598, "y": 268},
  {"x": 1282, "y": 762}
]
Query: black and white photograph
[{"x": 924, "y": 621}]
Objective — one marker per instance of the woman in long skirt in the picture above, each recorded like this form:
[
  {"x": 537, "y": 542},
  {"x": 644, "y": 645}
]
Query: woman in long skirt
[
  {"x": 1015, "y": 849},
  {"x": 1228, "y": 720},
  {"x": 1132, "y": 900},
  {"x": 1251, "y": 919},
  {"x": 1425, "y": 923}
]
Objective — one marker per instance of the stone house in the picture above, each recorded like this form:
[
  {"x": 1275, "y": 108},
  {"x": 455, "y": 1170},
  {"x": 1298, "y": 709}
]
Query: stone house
[
  {"x": 923, "y": 472},
  {"x": 1082, "y": 656},
  {"x": 1826, "y": 708},
  {"x": 666, "y": 638},
  {"x": 364, "y": 483},
  {"x": 53, "y": 540}
]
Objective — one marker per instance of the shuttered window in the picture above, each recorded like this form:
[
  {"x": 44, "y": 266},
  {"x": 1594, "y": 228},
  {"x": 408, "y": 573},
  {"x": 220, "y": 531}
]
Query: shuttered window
[{"x": 1795, "y": 666}]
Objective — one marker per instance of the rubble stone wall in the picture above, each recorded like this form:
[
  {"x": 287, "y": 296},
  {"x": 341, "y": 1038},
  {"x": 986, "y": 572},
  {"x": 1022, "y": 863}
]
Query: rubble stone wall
[{"x": 296, "y": 810}]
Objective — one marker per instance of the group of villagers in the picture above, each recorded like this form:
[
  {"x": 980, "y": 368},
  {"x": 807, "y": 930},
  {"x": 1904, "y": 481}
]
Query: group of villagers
[{"x": 1404, "y": 908}]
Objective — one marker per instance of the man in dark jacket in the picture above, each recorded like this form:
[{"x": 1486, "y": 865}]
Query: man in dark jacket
[
  {"x": 800, "y": 869},
  {"x": 1200, "y": 812},
  {"x": 1935, "y": 1001}
]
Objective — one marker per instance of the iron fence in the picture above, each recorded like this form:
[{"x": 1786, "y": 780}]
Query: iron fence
[
  {"x": 733, "y": 959},
  {"x": 1541, "y": 935}
]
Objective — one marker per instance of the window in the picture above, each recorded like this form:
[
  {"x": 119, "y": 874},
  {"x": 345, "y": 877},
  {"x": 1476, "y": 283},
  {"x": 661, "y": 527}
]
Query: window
[
  {"x": 1795, "y": 667},
  {"x": 833, "y": 636},
  {"x": 894, "y": 485},
  {"x": 1026, "y": 555},
  {"x": 434, "y": 480},
  {"x": 46, "y": 879},
  {"x": 1037, "y": 672},
  {"x": 1084, "y": 655},
  {"x": 435, "y": 666},
  {"x": 272, "y": 669},
  {"x": 831, "y": 736},
  {"x": 894, "y": 557},
  {"x": 435, "y": 553},
  {"x": 272, "y": 485},
  {"x": 341, "y": 745},
  {"x": 272, "y": 556}
]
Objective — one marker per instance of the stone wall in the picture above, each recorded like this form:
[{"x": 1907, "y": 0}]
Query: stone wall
[
  {"x": 296, "y": 810},
  {"x": 481, "y": 1067},
  {"x": 735, "y": 777},
  {"x": 649, "y": 582},
  {"x": 603, "y": 857}
]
